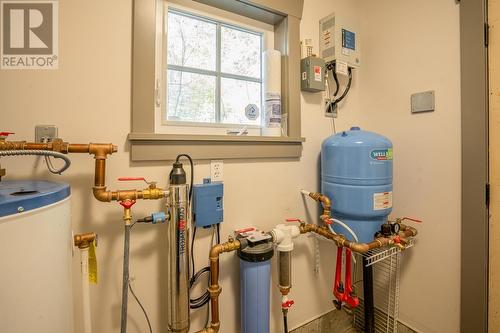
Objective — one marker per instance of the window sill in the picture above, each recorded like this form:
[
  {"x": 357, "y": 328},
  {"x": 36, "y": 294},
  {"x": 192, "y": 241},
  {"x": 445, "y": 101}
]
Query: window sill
[{"x": 156, "y": 147}]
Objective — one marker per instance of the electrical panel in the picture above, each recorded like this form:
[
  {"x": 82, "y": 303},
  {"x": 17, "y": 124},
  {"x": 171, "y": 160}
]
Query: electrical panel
[
  {"x": 339, "y": 41},
  {"x": 312, "y": 71},
  {"x": 207, "y": 203}
]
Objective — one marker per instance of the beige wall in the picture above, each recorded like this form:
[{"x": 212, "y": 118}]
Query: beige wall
[
  {"x": 89, "y": 99},
  {"x": 494, "y": 81},
  {"x": 409, "y": 47}
]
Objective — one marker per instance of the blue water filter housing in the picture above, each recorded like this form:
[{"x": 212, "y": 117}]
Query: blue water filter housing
[
  {"x": 356, "y": 174},
  {"x": 255, "y": 277}
]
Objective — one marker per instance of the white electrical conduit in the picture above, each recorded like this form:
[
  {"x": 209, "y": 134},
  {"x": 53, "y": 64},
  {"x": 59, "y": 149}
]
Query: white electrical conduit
[
  {"x": 84, "y": 265},
  {"x": 55, "y": 154}
]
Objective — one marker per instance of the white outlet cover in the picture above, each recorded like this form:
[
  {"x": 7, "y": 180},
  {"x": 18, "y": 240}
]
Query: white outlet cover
[{"x": 216, "y": 170}]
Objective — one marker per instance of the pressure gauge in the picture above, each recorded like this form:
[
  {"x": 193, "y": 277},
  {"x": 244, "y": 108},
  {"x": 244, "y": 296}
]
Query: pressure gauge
[{"x": 395, "y": 228}]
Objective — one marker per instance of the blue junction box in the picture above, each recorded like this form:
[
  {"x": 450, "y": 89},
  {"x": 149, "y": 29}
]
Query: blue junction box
[{"x": 207, "y": 203}]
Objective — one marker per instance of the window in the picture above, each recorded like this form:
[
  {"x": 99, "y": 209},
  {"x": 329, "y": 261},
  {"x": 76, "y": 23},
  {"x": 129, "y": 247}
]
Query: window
[
  {"x": 211, "y": 135},
  {"x": 213, "y": 74}
]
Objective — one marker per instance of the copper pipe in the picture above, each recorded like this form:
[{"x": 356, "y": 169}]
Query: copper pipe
[
  {"x": 100, "y": 152},
  {"x": 407, "y": 231},
  {"x": 100, "y": 173},
  {"x": 214, "y": 289},
  {"x": 325, "y": 201},
  {"x": 341, "y": 241},
  {"x": 84, "y": 240}
]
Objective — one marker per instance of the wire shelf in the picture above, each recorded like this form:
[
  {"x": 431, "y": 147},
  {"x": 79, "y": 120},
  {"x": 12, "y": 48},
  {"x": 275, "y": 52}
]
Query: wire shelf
[
  {"x": 386, "y": 264},
  {"x": 377, "y": 255}
]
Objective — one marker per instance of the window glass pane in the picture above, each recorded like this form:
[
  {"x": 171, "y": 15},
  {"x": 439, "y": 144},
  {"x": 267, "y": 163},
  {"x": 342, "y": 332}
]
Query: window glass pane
[
  {"x": 240, "y": 52},
  {"x": 236, "y": 95},
  {"x": 191, "y": 97},
  {"x": 191, "y": 42}
]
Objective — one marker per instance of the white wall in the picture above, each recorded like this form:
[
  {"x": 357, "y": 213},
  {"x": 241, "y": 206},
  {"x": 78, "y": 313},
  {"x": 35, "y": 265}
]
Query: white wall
[
  {"x": 89, "y": 99},
  {"x": 410, "y": 47}
]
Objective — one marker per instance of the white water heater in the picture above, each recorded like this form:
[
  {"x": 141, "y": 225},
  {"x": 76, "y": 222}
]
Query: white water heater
[{"x": 35, "y": 257}]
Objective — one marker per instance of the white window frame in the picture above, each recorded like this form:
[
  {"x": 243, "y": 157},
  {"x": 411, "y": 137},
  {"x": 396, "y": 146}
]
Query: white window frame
[{"x": 221, "y": 18}]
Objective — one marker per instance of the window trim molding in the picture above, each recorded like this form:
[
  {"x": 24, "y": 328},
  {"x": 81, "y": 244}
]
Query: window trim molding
[{"x": 145, "y": 144}]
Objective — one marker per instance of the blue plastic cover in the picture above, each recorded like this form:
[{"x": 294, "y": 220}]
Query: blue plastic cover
[
  {"x": 25, "y": 195},
  {"x": 207, "y": 203}
]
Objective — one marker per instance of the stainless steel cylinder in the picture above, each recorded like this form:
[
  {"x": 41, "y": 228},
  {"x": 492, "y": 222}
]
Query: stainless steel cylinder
[
  {"x": 178, "y": 258},
  {"x": 285, "y": 269}
]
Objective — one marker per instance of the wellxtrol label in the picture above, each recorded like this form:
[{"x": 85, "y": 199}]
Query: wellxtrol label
[
  {"x": 382, "y": 200},
  {"x": 381, "y": 154}
]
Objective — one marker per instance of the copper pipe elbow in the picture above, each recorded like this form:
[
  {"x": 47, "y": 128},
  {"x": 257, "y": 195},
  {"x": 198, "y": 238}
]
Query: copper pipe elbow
[
  {"x": 101, "y": 194},
  {"x": 83, "y": 241}
]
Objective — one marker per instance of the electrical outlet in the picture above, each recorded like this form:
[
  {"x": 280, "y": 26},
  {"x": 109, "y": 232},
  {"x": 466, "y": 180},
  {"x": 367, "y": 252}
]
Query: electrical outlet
[
  {"x": 216, "y": 170},
  {"x": 45, "y": 133}
]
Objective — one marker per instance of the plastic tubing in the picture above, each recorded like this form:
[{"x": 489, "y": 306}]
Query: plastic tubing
[
  {"x": 55, "y": 154},
  {"x": 345, "y": 226}
]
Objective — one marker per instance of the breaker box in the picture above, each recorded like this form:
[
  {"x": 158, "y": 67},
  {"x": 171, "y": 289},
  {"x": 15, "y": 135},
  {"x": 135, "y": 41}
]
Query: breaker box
[
  {"x": 312, "y": 71},
  {"x": 339, "y": 40}
]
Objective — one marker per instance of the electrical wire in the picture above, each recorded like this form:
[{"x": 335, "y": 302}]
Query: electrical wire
[
  {"x": 285, "y": 323},
  {"x": 218, "y": 233},
  {"x": 140, "y": 304},
  {"x": 132, "y": 290},
  {"x": 205, "y": 297},
  {"x": 337, "y": 84},
  {"x": 346, "y": 91},
  {"x": 332, "y": 105},
  {"x": 55, "y": 154}
]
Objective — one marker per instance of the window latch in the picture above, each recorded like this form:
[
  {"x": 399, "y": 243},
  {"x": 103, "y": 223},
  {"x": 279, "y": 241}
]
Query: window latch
[{"x": 157, "y": 93}]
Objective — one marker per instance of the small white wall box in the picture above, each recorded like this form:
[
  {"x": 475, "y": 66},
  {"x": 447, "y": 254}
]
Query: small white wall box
[{"x": 339, "y": 40}]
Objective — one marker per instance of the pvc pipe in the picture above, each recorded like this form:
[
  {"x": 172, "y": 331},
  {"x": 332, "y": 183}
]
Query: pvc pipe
[
  {"x": 84, "y": 264},
  {"x": 304, "y": 192}
]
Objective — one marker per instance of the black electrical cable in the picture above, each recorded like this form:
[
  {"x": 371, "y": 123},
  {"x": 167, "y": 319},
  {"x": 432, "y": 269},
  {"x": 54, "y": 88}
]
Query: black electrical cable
[
  {"x": 143, "y": 310},
  {"x": 347, "y": 88},
  {"x": 205, "y": 297},
  {"x": 218, "y": 233},
  {"x": 336, "y": 79},
  {"x": 192, "y": 251}
]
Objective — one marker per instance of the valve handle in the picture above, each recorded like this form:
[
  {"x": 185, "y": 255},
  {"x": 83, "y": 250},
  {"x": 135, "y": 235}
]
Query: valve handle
[
  {"x": 288, "y": 304},
  {"x": 128, "y": 179},
  {"x": 127, "y": 203},
  {"x": 411, "y": 219},
  {"x": 328, "y": 221},
  {"x": 6, "y": 134},
  {"x": 397, "y": 240},
  {"x": 242, "y": 231}
]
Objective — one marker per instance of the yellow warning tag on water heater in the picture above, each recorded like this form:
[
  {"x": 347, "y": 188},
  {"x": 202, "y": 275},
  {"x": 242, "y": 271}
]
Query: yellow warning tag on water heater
[{"x": 92, "y": 264}]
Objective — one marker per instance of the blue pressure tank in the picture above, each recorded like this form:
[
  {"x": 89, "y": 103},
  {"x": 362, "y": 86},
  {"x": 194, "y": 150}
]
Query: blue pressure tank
[
  {"x": 255, "y": 278},
  {"x": 356, "y": 174}
]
